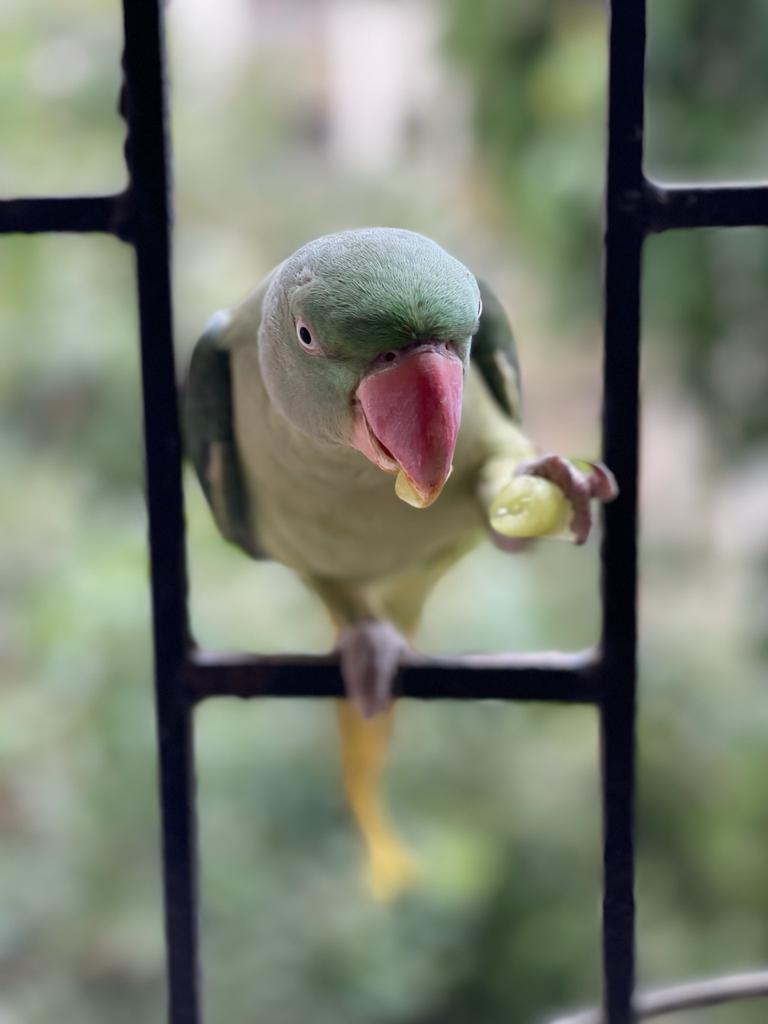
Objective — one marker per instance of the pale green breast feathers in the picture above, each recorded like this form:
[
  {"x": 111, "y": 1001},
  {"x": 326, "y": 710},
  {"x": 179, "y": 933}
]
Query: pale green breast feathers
[{"x": 362, "y": 292}]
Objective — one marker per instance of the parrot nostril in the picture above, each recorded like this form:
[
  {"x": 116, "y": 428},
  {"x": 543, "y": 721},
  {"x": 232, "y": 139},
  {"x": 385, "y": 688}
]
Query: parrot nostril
[{"x": 389, "y": 357}]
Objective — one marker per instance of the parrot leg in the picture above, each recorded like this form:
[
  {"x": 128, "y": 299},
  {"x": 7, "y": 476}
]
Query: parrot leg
[
  {"x": 370, "y": 653},
  {"x": 370, "y": 650},
  {"x": 577, "y": 484},
  {"x": 364, "y": 745}
]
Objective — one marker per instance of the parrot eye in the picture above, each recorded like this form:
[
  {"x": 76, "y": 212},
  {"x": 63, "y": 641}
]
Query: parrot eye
[{"x": 304, "y": 335}]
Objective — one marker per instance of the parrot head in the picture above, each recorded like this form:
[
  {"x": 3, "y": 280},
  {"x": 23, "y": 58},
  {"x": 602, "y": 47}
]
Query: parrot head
[{"x": 364, "y": 342}]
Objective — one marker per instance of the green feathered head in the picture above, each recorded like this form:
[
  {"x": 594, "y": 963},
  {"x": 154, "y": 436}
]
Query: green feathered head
[{"x": 364, "y": 341}]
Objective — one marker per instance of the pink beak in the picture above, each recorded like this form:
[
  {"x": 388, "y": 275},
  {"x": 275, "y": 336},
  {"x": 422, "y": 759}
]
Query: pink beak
[{"x": 410, "y": 410}]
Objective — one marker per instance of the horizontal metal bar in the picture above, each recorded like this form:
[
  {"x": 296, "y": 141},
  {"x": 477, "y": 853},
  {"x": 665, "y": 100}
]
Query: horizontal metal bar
[
  {"x": 557, "y": 677},
  {"x": 691, "y": 996},
  {"x": 668, "y": 207},
  {"x": 109, "y": 214}
]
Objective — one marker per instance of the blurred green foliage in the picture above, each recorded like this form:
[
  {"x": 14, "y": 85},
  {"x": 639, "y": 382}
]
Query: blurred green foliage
[
  {"x": 500, "y": 803},
  {"x": 539, "y": 72}
]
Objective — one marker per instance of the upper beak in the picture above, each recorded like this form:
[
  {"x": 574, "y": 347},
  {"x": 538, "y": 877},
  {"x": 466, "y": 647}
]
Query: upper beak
[{"x": 409, "y": 415}]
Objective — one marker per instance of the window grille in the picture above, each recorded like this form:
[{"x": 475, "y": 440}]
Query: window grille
[{"x": 605, "y": 677}]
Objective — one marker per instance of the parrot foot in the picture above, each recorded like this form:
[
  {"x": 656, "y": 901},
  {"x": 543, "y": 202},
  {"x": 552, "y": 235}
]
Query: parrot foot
[
  {"x": 578, "y": 484},
  {"x": 391, "y": 871},
  {"x": 370, "y": 652}
]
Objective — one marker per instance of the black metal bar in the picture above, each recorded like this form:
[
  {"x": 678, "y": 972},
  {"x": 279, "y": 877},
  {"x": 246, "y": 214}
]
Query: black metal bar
[
  {"x": 623, "y": 244},
  {"x": 69, "y": 213},
  {"x": 563, "y": 678},
  {"x": 147, "y": 153},
  {"x": 667, "y": 207}
]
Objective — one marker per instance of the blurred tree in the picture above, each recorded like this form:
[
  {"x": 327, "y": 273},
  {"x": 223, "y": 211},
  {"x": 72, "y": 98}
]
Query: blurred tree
[{"x": 538, "y": 73}]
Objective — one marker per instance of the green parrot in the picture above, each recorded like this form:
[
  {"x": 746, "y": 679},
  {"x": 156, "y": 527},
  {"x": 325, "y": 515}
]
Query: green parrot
[{"x": 366, "y": 355}]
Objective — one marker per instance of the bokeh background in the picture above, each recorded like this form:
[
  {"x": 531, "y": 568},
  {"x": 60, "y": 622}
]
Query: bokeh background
[{"x": 480, "y": 123}]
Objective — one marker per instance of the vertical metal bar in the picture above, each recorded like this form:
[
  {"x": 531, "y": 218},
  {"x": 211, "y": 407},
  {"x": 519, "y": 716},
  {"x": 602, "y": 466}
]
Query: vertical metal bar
[
  {"x": 147, "y": 152},
  {"x": 623, "y": 246}
]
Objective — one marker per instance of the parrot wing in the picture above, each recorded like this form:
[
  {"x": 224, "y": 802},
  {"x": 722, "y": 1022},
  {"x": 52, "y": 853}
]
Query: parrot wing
[
  {"x": 495, "y": 356},
  {"x": 210, "y": 438}
]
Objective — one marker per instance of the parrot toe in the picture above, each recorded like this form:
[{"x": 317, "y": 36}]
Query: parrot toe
[
  {"x": 370, "y": 652},
  {"x": 510, "y": 545},
  {"x": 580, "y": 481}
]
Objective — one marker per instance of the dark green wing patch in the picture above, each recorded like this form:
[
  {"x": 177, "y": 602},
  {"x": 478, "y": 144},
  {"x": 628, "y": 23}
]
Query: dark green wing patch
[
  {"x": 210, "y": 439},
  {"x": 495, "y": 355}
]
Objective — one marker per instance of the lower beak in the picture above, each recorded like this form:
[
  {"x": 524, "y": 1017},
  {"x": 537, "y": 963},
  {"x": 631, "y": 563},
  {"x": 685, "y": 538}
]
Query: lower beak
[{"x": 410, "y": 409}]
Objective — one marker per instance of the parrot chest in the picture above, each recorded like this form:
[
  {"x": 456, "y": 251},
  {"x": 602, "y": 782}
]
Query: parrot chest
[{"x": 325, "y": 511}]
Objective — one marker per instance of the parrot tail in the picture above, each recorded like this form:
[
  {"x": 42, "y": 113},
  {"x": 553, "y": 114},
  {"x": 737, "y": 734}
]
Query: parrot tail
[{"x": 391, "y": 869}]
